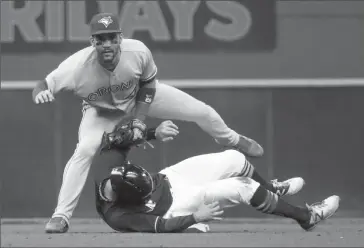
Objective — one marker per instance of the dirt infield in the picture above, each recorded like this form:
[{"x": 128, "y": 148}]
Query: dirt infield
[{"x": 228, "y": 233}]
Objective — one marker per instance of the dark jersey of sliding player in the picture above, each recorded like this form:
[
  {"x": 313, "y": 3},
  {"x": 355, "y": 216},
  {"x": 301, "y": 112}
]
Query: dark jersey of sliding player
[{"x": 147, "y": 217}]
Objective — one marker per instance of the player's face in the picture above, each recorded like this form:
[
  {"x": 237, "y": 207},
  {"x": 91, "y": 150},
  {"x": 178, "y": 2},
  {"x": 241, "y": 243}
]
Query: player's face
[{"x": 107, "y": 46}]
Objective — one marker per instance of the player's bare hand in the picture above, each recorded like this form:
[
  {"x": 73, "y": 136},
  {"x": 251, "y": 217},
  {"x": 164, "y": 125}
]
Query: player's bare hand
[
  {"x": 207, "y": 212},
  {"x": 44, "y": 96},
  {"x": 166, "y": 131}
]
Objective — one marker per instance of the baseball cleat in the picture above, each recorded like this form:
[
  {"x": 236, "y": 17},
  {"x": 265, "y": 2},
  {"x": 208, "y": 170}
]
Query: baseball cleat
[
  {"x": 289, "y": 187},
  {"x": 198, "y": 228},
  {"x": 249, "y": 147},
  {"x": 56, "y": 225},
  {"x": 320, "y": 212}
]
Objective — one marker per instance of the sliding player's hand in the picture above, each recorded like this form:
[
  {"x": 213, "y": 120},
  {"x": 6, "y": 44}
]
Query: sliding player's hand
[{"x": 207, "y": 212}]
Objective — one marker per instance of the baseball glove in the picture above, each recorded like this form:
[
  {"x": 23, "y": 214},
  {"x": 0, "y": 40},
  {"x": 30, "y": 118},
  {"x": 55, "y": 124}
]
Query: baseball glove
[{"x": 124, "y": 136}]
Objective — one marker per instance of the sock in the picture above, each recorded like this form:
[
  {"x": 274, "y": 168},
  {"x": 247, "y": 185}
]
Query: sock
[
  {"x": 269, "y": 203},
  {"x": 249, "y": 171},
  {"x": 267, "y": 185}
]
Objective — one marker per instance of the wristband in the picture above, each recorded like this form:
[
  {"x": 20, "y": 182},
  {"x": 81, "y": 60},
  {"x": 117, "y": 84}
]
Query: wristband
[
  {"x": 146, "y": 95},
  {"x": 151, "y": 134}
]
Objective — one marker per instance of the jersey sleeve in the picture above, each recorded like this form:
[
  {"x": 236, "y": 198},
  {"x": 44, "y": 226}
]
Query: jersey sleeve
[
  {"x": 62, "y": 78},
  {"x": 149, "y": 67},
  {"x": 142, "y": 222}
]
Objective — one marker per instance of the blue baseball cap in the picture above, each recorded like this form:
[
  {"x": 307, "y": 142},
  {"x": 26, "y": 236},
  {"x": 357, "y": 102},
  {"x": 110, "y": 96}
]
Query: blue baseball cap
[{"x": 104, "y": 23}]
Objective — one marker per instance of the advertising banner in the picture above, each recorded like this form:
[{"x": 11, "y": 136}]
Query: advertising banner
[{"x": 168, "y": 26}]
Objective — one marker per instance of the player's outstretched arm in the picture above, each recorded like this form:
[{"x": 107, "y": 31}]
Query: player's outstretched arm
[
  {"x": 60, "y": 79},
  {"x": 41, "y": 93},
  {"x": 141, "y": 222}
]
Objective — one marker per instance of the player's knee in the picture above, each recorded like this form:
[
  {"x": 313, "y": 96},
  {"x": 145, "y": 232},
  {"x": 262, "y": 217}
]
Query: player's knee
[
  {"x": 209, "y": 113},
  {"x": 202, "y": 113},
  {"x": 234, "y": 155},
  {"x": 237, "y": 163},
  {"x": 246, "y": 188}
]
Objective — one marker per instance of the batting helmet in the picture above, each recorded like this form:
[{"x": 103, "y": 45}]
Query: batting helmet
[{"x": 131, "y": 183}]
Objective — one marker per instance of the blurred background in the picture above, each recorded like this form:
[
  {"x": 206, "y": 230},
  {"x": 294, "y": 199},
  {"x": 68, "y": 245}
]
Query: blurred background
[{"x": 286, "y": 73}]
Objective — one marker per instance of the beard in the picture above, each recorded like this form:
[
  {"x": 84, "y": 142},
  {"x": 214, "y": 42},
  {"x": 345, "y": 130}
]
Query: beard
[{"x": 108, "y": 56}]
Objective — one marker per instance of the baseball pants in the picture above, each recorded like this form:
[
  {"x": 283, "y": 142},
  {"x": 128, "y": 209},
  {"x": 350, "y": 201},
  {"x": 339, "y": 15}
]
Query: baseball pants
[
  {"x": 169, "y": 103},
  {"x": 208, "y": 178}
]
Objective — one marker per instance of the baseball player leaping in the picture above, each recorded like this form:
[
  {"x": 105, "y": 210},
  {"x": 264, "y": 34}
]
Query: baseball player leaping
[
  {"x": 116, "y": 77},
  {"x": 198, "y": 189}
]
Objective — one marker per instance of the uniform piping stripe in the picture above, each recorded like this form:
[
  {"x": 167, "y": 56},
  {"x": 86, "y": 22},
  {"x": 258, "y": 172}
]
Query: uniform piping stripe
[
  {"x": 261, "y": 206},
  {"x": 273, "y": 204},
  {"x": 151, "y": 179},
  {"x": 247, "y": 170},
  {"x": 155, "y": 224},
  {"x": 265, "y": 205},
  {"x": 268, "y": 202},
  {"x": 251, "y": 170},
  {"x": 244, "y": 168},
  {"x": 77, "y": 146},
  {"x": 151, "y": 77}
]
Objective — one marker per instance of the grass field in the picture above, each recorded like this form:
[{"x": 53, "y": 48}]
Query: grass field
[{"x": 336, "y": 232}]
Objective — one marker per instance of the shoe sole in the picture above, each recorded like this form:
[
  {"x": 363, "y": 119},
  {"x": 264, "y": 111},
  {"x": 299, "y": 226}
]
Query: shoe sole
[{"x": 55, "y": 231}]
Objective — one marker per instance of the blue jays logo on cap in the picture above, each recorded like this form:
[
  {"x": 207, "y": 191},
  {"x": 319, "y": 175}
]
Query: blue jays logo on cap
[
  {"x": 106, "y": 21},
  {"x": 103, "y": 23}
]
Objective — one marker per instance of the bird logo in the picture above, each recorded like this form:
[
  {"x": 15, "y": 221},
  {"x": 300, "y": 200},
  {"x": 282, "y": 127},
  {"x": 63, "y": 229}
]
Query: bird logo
[{"x": 106, "y": 21}]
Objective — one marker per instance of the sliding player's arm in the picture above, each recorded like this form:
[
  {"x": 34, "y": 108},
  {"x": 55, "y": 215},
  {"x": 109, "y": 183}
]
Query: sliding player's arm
[{"x": 141, "y": 222}]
